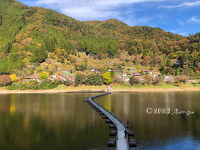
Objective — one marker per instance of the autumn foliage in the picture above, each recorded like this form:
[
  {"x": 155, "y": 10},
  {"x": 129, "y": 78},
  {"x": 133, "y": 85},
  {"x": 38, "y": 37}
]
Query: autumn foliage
[{"x": 5, "y": 80}]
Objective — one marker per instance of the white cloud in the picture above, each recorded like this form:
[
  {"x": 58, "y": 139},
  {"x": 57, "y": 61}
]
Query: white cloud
[
  {"x": 180, "y": 32},
  {"x": 94, "y": 2},
  {"x": 194, "y": 19},
  {"x": 90, "y": 9},
  {"x": 83, "y": 13},
  {"x": 184, "y": 4}
]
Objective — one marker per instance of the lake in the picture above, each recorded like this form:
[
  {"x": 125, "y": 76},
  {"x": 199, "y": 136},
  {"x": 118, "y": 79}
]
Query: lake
[{"x": 161, "y": 121}]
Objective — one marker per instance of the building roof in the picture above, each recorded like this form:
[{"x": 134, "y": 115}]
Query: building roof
[{"x": 32, "y": 77}]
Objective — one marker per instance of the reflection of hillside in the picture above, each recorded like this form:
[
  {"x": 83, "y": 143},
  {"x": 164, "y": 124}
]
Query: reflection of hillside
[
  {"x": 58, "y": 121},
  {"x": 50, "y": 121},
  {"x": 132, "y": 107},
  {"x": 55, "y": 109}
]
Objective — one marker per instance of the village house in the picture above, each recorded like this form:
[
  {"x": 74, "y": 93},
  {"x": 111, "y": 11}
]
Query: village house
[
  {"x": 125, "y": 77},
  {"x": 137, "y": 75},
  {"x": 95, "y": 70},
  {"x": 32, "y": 77},
  {"x": 146, "y": 72},
  {"x": 65, "y": 76},
  {"x": 168, "y": 79},
  {"x": 117, "y": 70},
  {"x": 193, "y": 81}
]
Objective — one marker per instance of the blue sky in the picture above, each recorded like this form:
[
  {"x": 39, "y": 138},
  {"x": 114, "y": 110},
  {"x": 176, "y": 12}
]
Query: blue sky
[{"x": 177, "y": 16}]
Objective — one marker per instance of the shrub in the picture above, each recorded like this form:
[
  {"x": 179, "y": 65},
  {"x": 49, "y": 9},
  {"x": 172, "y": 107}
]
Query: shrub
[
  {"x": 80, "y": 79},
  {"x": 17, "y": 86},
  {"x": 43, "y": 75},
  {"x": 5, "y": 80},
  {"x": 157, "y": 81},
  {"x": 47, "y": 85},
  {"x": 34, "y": 85},
  {"x": 134, "y": 81},
  {"x": 61, "y": 55},
  {"x": 94, "y": 79},
  {"x": 67, "y": 83},
  {"x": 81, "y": 67},
  {"x": 112, "y": 73},
  {"x": 181, "y": 79},
  {"x": 58, "y": 82},
  {"x": 147, "y": 79}
]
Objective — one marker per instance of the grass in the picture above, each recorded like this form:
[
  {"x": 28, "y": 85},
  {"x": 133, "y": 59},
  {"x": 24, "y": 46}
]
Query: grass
[
  {"x": 163, "y": 85},
  {"x": 144, "y": 86},
  {"x": 118, "y": 87},
  {"x": 63, "y": 87},
  {"x": 2, "y": 88},
  {"x": 190, "y": 85}
]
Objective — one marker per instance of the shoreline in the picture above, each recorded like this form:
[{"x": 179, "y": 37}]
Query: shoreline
[{"x": 100, "y": 90}]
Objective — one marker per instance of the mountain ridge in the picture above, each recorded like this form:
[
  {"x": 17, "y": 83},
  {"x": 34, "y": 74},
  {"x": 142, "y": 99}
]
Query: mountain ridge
[{"x": 29, "y": 34}]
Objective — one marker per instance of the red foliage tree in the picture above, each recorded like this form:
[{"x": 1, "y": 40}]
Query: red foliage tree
[{"x": 5, "y": 80}]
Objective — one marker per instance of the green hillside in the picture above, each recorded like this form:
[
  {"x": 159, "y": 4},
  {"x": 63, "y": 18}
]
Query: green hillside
[{"x": 29, "y": 34}]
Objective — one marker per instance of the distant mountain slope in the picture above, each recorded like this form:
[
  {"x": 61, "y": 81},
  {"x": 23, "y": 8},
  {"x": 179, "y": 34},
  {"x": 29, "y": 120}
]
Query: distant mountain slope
[
  {"x": 28, "y": 34},
  {"x": 11, "y": 21}
]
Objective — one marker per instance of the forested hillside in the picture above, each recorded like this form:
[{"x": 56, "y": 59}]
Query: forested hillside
[{"x": 29, "y": 34}]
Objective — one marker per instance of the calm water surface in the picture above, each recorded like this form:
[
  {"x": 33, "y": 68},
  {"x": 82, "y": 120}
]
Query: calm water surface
[{"x": 66, "y": 122}]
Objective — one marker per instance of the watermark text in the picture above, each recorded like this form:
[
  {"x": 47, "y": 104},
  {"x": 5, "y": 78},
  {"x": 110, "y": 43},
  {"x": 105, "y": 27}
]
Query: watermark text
[{"x": 167, "y": 111}]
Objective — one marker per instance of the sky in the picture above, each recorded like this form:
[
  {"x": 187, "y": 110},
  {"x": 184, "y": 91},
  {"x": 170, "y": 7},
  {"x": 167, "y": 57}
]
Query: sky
[{"x": 177, "y": 16}]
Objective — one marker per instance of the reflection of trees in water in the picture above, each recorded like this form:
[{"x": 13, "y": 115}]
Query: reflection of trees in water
[
  {"x": 132, "y": 107},
  {"x": 107, "y": 103},
  {"x": 39, "y": 136},
  {"x": 49, "y": 121},
  {"x": 56, "y": 109}
]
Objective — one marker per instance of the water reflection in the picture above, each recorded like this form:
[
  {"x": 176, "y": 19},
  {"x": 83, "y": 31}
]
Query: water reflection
[
  {"x": 65, "y": 122},
  {"x": 50, "y": 122},
  {"x": 168, "y": 132}
]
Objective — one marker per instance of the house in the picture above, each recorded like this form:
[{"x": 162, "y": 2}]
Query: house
[
  {"x": 156, "y": 74},
  {"x": 95, "y": 70},
  {"x": 117, "y": 69},
  {"x": 193, "y": 81},
  {"x": 134, "y": 71},
  {"x": 124, "y": 76},
  {"x": 168, "y": 79},
  {"x": 32, "y": 77},
  {"x": 146, "y": 72},
  {"x": 63, "y": 77},
  {"x": 136, "y": 75},
  {"x": 141, "y": 79},
  {"x": 66, "y": 72}
]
